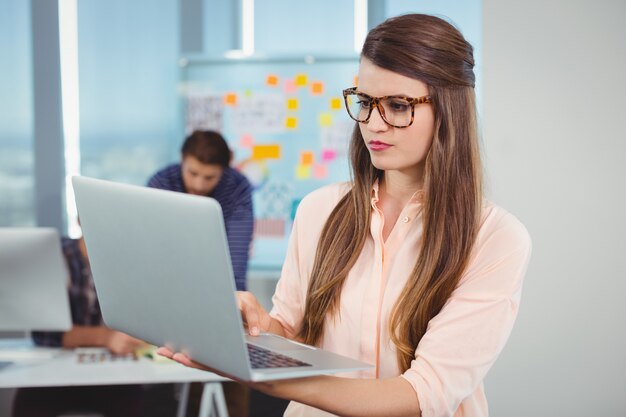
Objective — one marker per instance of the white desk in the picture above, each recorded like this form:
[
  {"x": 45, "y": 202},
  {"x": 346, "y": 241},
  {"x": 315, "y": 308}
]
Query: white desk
[{"x": 59, "y": 367}]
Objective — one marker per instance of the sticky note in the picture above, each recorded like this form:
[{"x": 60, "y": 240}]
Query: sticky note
[
  {"x": 269, "y": 227},
  {"x": 356, "y": 80},
  {"x": 335, "y": 103},
  {"x": 306, "y": 158},
  {"x": 291, "y": 122},
  {"x": 271, "y": 80},
  {"x": 247, "y": 92},
  {"x": 246, "y": 141},
  {"x": 317, "y": 88},
  {"x": 326, "y": 119},
  {"x": 328, "y": 155},
  {"x": 230, "y": 99},
  {"x": 301, "y": 80},
  {"x": 290, "y": 86},
  {"x": 303, "y": 172},
  {"x": 266, "y": 152},
  {"x": 292, "y": 103},
  {"x": 320, "y": 171}
]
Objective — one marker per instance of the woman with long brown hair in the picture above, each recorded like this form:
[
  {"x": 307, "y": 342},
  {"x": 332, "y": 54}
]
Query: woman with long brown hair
[{"x": 407, "y": 266}]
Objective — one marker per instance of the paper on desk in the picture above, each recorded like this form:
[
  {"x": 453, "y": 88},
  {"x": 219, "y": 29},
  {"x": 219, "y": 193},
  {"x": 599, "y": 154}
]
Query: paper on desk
[{"x": 149, "y": 352}]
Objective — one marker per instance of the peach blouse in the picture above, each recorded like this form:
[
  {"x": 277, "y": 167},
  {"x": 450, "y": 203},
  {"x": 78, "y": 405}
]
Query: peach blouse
[{"x": 461, "y": 342}]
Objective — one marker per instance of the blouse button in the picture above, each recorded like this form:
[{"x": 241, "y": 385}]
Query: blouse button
[{"x": 405, "y": 219}]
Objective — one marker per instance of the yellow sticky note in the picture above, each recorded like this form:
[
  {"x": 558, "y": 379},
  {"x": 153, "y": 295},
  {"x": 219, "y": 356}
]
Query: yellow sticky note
[
  {"x": 326, "y": 119},
  {"x": 335, "y": 103},
  {"x": 301, "y": 80},
  {"x": 306, "y": 158},
  {"x": 317, "y": 88},
  {"x": 247, "y": 92},
  {"x": 292, "y": 103},
  {"x": 291, "y": 122},
  {"x": 271, "y": 80},
  {"x": 230, "y": 99},
  {"x": 266, "y": 152},
  {"x": 303, "y": 172}
]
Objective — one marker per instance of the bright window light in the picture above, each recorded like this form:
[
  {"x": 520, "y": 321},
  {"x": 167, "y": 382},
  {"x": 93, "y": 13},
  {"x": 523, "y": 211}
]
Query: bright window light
[
  {"x": 247, "y": 27},
  {"x": 68, "y": 37},
  {"x": 360, "y": 24}
]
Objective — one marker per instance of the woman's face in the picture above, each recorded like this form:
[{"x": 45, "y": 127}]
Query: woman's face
[{"x": 392, "y": 148}]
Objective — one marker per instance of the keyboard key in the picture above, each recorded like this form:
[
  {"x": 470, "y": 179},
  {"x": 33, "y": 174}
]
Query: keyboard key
[{"x": 261, "y": 358}]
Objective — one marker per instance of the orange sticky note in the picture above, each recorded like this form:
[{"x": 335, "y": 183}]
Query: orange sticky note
[
  {"x": 303, "y": 172},
  {"x": 301, "y": 80},
  {"x": 291, "y": 122},
  {"x": 326, "y": 119},
  {"x": 266, "y": 152},
  {"x": 230, "y": 99},
  {"x": 306, "y": 158},
  {"x": 356, "y": 80},
  {"x": 320, "y": 171},
  {"x": 292, "y": 103},
  {"x": 335, "y": 103},
  {"x": 271, "y": 80},
  {"x": 317, "y": 88}
]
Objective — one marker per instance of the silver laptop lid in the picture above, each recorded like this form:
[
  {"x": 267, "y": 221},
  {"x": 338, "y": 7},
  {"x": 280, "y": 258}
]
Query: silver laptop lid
[
  {"x": 33, "y": 281},
  {"x": 143, "y": 246}
]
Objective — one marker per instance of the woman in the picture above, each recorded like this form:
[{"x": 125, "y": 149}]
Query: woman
[{"x": 406, "y": 267}]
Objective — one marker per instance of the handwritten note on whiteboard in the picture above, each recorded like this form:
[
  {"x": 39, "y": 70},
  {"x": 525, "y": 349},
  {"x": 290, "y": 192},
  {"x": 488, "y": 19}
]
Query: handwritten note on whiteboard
[
  {"x": 259, "y": 113},
  {"x": 337, "y": 137},
  {"x": 204, "y": 112}
]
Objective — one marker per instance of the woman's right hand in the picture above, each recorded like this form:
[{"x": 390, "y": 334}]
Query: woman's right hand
[{"x": 255, "y": 318}]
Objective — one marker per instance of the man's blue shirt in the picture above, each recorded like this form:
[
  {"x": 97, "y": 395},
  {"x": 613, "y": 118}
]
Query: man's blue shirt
[{"x": 234, "y": 193}]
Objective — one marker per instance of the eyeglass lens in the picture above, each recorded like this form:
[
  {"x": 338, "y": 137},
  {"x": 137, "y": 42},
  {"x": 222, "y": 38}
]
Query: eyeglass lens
[{"x": 395, "y": 111}]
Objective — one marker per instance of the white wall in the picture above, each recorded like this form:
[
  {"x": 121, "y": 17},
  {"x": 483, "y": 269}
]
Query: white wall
[{"x": 555, "y": 140}]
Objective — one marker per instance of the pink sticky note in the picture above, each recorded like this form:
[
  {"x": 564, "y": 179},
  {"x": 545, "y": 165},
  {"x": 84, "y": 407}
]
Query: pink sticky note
[
  {"x": 290, "y": 86},
  {"x": 320, "y": 171},
  {"x": 246, "y": 141},
  {"x": 328, "y": 155}
]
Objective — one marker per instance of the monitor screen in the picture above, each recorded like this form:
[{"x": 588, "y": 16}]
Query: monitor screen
[{"x": 33, "y": 281}]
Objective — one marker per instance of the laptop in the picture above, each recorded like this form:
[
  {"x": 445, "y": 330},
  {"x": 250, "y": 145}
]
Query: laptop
[
  {"x": 162, "y": 271},
  {"x": 33, "y": 280}
]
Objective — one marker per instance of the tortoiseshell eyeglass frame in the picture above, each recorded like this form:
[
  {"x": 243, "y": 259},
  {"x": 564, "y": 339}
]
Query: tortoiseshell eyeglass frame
[{"x": 376, "y": 103}]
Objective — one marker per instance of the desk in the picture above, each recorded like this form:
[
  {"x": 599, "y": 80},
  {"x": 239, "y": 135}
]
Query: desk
[{"x": 49, "y": 367}]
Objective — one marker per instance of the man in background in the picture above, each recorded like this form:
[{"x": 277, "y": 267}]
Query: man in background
[{"x": 205, "y": 170}]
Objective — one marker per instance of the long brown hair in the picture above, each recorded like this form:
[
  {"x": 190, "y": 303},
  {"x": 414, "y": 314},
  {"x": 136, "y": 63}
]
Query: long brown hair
[{"x": 431, "y": 50}]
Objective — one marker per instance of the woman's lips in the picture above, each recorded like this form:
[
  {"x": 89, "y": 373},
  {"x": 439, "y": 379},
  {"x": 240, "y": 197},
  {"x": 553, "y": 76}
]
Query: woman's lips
[{"x": 378, "y": 146}]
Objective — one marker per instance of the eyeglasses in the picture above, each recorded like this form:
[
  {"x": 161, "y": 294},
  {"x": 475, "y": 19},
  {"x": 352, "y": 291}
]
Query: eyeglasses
[{"x": 396, "y": 111}]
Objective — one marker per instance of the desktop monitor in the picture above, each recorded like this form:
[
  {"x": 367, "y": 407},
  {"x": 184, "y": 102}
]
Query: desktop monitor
[{"x": 33, "y": 281}]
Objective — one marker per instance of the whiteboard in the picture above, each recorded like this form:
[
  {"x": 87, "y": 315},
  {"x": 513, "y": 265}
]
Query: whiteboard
[{"x": 284, "y": 119}]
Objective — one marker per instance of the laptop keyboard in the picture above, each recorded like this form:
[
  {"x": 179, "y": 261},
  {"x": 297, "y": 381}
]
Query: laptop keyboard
[{"x": 263, "y": 358}]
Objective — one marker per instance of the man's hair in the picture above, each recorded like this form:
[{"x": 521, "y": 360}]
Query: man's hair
[{"x": 208, "y": 147}]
